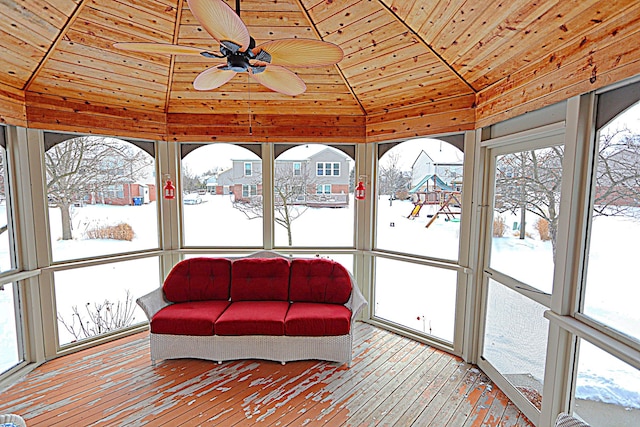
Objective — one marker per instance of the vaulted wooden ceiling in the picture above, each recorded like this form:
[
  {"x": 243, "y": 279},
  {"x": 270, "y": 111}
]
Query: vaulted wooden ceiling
[{"x": 411, "y": 67}]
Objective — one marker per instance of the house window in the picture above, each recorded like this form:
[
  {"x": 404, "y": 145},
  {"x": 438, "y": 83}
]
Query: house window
[
  {"x": 115, "y": 191},
  {"x": 249, "y": 190},
  {"x": 323, "y": 189},
  {"x": 328, "y": 169},
  {"x": 297, "y": 169},
  {"x": 248, "y": 170}
]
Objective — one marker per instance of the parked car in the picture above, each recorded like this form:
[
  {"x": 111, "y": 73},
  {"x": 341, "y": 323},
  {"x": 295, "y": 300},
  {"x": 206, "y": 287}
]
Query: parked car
[{"x": 192, "y": 199}]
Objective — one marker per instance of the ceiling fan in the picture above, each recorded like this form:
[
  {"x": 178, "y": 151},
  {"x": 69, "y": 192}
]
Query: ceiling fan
[{"x": 265, "y": 63}]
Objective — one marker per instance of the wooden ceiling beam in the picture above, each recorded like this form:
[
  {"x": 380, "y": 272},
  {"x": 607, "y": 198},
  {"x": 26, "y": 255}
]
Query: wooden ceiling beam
[
  {"x": 172, "y": 64},
  {"x": 61, "y": 35},
  {"x": 337, "y": 66},
  {"x": 428, "y": 46}
]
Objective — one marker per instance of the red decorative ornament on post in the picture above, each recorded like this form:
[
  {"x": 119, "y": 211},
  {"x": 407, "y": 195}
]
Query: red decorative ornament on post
[
  {"x": 360, "y": 191},
  {"x": 169, "y": 191}
]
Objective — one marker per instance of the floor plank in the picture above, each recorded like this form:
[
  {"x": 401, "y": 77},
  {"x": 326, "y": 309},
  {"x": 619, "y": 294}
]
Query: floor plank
[{"x": 393, "y": 381}]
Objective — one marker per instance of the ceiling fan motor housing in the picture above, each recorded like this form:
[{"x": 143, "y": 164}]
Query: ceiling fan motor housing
[{"x": 238, "y": 62}]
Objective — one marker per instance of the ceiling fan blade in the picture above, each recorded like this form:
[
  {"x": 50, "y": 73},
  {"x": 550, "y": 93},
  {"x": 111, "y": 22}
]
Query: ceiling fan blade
[
  {"x": 161, "y": 48},
  {"x": 219, "y": 20},
  {"x": 279, "y": 79},
  {"x": 301, "y": 52},
  {"x": 212, "y": 78}
]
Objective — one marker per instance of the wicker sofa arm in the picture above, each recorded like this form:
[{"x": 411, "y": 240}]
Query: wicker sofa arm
[
  {"x": 152, "y": 302},
  {"x": 356, "y": 301}
]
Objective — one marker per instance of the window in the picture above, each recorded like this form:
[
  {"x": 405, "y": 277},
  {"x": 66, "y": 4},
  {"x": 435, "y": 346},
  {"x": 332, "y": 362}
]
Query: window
[
  {"x": 115, "y": 191},
  {"x": 610, "y": 289},
  {"x": 419, "y": 199},
  {"x": 323, "y": 189},
  {"x": 312, "y": 209},
  {"x": 297, "y": 169},
  {"x": 328, "y": 169},
  {"x": 249, "y": 190},
  {"x": 7, "y": 250},
  {"x": 10, "y": 338},
  {"x": 526, "y": 214},
  {"x": 524, "y": 206},
  {"x": 230, "y": 213},
  {"x": 606, "y": 388},
  {"x": 403, "y": 296},
  {"x": 11, "y": 351},
  {"x": 515, "y": 339},
  {"x": 248, "y": 169},
  {"x": 93, "y": 301},
  {"x": 92, "y": 209},
  {"x": 607, "y": 392}
]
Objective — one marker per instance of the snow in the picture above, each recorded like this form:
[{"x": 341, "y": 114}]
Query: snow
[{"x": 515, "y": 343}]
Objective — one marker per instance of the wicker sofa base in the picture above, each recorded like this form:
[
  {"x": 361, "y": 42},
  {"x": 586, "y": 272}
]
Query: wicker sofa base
[{"x": 276, "y": 348}]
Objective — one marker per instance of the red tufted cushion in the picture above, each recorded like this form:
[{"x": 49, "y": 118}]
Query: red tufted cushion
[
  {"x": 260, "y": 279},
  {"x": 253, "y": 318},
  {"x": 316, "y": 320},
  {"x": 188, "y": 318},
  {"x": 198, "y": 279},
  {"x": 319, "y": 280}
]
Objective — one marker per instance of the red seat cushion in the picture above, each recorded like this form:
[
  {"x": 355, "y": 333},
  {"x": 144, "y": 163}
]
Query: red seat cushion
[
  {"x": 260, "y": 279},
  {"x": 198, "y": 279},
  {"x": 319, "y": 280},
  {"x": 188, "y": 318},
  {"x": 316, "y": 320},
  {"x": 253, "y": 318}
]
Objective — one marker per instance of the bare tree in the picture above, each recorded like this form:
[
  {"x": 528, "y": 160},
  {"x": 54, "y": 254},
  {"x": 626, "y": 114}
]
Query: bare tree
[
  {"x": 392, "y": 179},
  {"x": 530, "y": 181},
  {"x": 290, "y": 197},
  {"x": 190, "y": 181},
  {"x": 618, "y": 174},
  {"x": 87, "y": 166}
]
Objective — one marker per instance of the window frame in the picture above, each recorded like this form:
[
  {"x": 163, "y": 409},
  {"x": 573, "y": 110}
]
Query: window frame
[{"x": 327, "y": 168}]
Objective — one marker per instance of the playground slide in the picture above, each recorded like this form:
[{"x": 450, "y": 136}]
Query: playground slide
[{"x": 414, "y": 213}]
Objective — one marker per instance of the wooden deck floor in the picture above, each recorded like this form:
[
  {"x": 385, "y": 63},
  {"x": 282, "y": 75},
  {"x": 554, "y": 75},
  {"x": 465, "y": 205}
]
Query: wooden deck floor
[{"x": 393, "y": 381}]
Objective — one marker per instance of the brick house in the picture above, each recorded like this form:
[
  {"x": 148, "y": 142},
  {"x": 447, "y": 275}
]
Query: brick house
[{"x": 321, "y": 179}]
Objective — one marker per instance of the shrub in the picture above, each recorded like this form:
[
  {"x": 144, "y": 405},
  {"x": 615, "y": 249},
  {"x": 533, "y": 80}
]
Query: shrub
[
  {"x": 499, "y": 226},
  {"x": 542, "y": 225},
  {"x": 101, "y": 318},
  {"x": 120, "y": 231}
]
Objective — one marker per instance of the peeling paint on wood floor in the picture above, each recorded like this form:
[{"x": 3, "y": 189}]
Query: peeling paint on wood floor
[{"x": 393, "y": 381}]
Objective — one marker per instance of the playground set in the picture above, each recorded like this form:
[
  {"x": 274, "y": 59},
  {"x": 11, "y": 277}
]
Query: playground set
[{"x": 437, "y": 193}]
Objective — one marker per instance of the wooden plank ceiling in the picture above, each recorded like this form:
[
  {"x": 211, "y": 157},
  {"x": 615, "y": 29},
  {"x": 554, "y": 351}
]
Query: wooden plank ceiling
[{"x": 411, "y": 67}]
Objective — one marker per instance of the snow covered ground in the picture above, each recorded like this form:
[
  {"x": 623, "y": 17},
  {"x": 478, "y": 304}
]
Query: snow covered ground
[{"x": 428, "y": 294}]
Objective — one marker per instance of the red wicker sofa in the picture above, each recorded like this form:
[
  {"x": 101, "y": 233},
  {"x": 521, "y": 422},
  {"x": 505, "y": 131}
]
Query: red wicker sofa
[{"x": 264, "y": 306}]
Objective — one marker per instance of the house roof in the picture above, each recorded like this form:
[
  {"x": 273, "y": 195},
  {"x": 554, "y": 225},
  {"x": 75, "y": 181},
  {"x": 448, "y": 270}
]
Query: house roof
[{"x": 410, "y": 67}]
